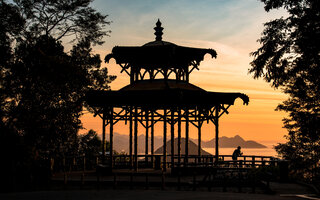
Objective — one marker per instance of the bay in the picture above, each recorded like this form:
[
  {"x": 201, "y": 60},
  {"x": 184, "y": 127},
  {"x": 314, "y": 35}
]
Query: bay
[{"x": 269, "y": 151}]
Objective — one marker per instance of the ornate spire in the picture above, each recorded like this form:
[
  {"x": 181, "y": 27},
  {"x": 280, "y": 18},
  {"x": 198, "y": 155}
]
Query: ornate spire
[{"x": 158, "y": 30}]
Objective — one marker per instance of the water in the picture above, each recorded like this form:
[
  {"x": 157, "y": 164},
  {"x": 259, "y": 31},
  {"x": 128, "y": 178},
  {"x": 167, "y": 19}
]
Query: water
[{"x": 246, "y": 152}]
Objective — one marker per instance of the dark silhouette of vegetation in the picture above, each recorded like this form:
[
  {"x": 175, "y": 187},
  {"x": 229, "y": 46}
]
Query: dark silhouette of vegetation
[
  {"x": 90, "y": 147},
  {"x": 42, "y": 86},
  {"x": 289, "y": 59}
]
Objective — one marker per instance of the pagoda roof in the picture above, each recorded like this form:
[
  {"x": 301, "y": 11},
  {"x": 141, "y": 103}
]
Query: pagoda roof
[
  {"x": 162, "y": 93},
  {"x": 160, "y": 84},
  {"x": 159, "y": 54}
]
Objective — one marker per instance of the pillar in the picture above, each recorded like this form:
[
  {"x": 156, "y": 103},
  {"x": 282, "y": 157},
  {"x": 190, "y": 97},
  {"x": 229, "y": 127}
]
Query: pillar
[
  {"x": 187, "y": 74},
  {"x": 164, "y": 139},
  {"x": 179, "y": 137},
  {"x": 130, "y": 138},
  {"x": 172, "y": 138},
  {"x": 135, "y": 139},
  {"x": 217, "y": 132},
  {"x": 111, "y": 137},
  {"x": 187, "y": 136},
  {"x": 199, "y": 136},
  {"x": 147, "y": 136},
  {"x": 152, "y": 137},
  {"x": 131, "y": 75}
]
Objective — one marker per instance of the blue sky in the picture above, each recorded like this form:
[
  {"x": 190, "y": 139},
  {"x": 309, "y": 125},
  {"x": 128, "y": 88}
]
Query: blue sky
[{"x": 213, "y": 20}]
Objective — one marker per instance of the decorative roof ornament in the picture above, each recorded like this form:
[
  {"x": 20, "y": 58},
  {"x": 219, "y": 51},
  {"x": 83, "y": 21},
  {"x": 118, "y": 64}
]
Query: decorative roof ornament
[{"x": 158, "y": 30}]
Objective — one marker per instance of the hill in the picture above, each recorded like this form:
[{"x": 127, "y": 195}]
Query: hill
[
  {"x": 121, "y": 142},
  {"x": 232, "y": 142},
  {"x": 192, "y": 147}
]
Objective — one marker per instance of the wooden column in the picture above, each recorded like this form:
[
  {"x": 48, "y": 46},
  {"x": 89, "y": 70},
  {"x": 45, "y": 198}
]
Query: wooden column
[
  {"x": 152, "y": 137},
  {"x": 199, "y": 135},
  {"x": 103, "y": 137},
  {"x": 135, "y": 139},
  {"x": 164, "y": 139},
  {"x": 147, "y": 136},
  {"x": 179, "y": 137},
  {"x": 172, "y": 138},
  {"x": 187, "y": 74},
  {"x": 130, "y": 138},
  {"x": 151, "y": 74},
  {"x": 187, "y": 136},
  {"x": 217, "y": 132},
  {"x": 131, "y": 75},
  {"x": 111, "y": 137},
  {"x": 165, "y": 74}
]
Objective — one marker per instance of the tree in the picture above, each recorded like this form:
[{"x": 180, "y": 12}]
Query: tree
[
  {"x": 43, "y": 86},
  {"x": 289, "y": 59},
  {"x": 70, "y": 18},
  {"x": 10, "y": 25},
  {"x": 90, "y": 147},
  {"x": 90, "y": 143}
]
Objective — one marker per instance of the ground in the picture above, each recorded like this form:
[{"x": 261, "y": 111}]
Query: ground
[{"x": 284, "y": 191}]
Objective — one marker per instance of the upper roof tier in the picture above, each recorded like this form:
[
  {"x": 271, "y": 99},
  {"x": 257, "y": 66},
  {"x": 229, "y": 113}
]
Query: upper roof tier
[{"x": 158, "y": 54}]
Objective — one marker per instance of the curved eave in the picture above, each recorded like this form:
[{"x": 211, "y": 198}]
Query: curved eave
[
  {"x": 164, "y": 98},
  {"x": 160, "y": 84},
  {"x": 159, "y": 56}
]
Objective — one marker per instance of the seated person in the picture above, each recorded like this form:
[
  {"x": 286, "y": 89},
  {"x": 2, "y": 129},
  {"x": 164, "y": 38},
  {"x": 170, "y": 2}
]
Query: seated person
[{"x": 237, "y": 152}]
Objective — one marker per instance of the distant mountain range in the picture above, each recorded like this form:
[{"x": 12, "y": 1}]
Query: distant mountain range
[
  {"x": 231, "y": 142},
  {"x": 121, "y": 143}
]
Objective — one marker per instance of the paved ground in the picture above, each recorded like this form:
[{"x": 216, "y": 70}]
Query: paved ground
[
  {"x": 283, "y": 191},
  {"x": 280, "y": 191}
]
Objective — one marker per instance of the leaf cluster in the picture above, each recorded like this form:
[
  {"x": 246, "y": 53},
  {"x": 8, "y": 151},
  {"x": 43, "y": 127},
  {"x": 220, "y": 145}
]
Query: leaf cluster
[
  {"x": 289, "y": 58},
  {"x": 62, "y": 18}
]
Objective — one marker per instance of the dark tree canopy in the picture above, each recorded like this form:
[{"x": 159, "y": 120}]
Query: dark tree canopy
[
  {"x": 289, "y": 59},
  {"x": 62, "y": 18},
  {"x": 289, "y": 45},
  {"x": 42, "y": 86}
]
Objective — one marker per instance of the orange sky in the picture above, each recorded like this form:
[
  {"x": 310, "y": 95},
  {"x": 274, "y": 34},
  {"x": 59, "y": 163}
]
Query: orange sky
[{"x": 231, "y": 29}]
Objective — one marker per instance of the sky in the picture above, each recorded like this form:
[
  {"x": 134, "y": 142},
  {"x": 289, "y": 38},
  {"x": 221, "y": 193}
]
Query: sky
[{"x": 231, "y": 27}]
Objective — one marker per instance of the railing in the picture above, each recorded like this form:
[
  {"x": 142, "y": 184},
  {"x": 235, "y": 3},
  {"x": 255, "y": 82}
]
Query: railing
[
  {"x": 249, "y": 161},
  {"x": 82, "y": 163},
  {"x": 225, "y": 172}
]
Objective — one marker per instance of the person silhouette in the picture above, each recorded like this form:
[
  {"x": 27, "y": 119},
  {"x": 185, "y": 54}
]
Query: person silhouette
[{"x": 236, "y": 153}]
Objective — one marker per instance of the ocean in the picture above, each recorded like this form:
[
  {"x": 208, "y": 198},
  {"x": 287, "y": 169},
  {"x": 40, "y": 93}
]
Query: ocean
[{"x": 269, "y": 151}]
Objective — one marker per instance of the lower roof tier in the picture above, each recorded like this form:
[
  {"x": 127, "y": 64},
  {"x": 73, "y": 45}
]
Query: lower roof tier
[{"x": 162, "y": 94}]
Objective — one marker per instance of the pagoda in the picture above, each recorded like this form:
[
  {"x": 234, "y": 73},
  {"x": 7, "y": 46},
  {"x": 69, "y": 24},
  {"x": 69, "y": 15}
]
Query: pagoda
[{"x": 160, "y": 92}]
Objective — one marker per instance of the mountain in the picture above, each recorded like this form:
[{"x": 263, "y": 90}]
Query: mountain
[
  {"x": 192, "y": 147},
  {"x": 232, "y": 142},
  {"x": 121, "y": 143}
]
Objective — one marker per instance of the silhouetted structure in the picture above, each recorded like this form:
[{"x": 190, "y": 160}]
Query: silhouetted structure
[{"x": 159, "y": 91}]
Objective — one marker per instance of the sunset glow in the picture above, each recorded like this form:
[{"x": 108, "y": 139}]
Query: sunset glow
[{"x": 229, "y": 27}]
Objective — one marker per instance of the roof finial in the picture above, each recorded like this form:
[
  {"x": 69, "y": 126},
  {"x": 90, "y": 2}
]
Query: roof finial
[{"x": 158, "y": 30}]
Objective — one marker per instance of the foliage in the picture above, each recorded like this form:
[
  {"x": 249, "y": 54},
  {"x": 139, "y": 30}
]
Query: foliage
[
  {"x": 289, "y": 59},
  {"x": 58, "y": 19},
  {"x": 47, "y": 103},
  {"x": 42, "y": 87},
  {"x": 89, "y": 147},
  {"x": 89, "y": 144}
]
